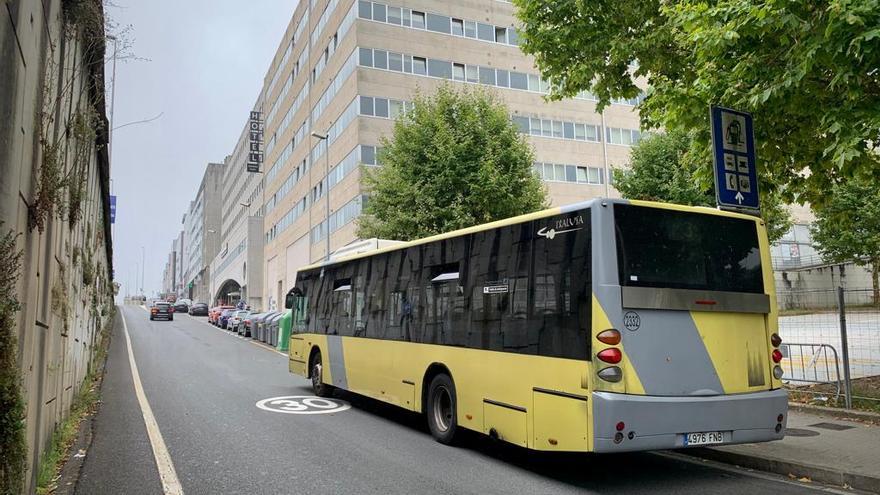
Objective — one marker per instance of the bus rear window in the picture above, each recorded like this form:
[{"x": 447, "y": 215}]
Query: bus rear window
[{"x": 682, "y": 250}]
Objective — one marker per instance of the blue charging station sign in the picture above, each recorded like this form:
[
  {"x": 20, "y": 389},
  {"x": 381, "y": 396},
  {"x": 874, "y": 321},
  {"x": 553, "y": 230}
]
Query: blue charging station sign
[{"x": 733, "y": 147}]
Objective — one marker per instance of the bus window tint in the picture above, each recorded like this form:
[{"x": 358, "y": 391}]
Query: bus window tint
[
  {"x": 682, "y": 250},
  {"x": 508, "y": 289},
  {"x": 561, "y": 311}
]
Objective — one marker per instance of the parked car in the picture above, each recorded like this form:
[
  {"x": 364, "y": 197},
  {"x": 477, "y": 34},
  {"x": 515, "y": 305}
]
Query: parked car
[
  {"x": 162, "y": 309},
  {"x": 198, "y": 309},
  {"x": 236, "y": 320},
  {"x": 223, "y": 320},
  {"x": 181, "y": 307},
  {"x": 214, "y": 314}
]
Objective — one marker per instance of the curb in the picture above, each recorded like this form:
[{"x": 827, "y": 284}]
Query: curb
[
  {"x": 785, "y": 468},
  {"x": 851, "y": 414}
]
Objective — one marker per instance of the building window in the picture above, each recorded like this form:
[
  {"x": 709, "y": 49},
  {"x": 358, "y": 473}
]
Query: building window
[
  {"x": 380, "y": 59},
  {"x": 487, "y": 76},
  {"x": 486, "y": 32},
  {"x": 438, "y": 23},
  {"x": 439, "y": 68},
  {"x": 458, "y": 72},
  {"x": 418, "y": 19},
  {"x": 457, "y": 27},
  {"x": 420, "y": 66},
  {"x": 395, "y": 61},
  {"x": 394, "y": 15},
  {"x": 379, "y": 12},
  {"x": 500, "y": 35}
]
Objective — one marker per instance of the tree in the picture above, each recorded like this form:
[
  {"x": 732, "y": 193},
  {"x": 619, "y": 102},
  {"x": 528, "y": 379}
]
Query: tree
[
  {"x": 807, "y": 71},
  {"x": 847, "y": 227},
  {"x": 454, "y": 160},
  {"x": 660, "y": 171}
]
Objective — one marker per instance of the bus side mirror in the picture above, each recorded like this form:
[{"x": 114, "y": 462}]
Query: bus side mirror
[{"x": 292, "y": 294}]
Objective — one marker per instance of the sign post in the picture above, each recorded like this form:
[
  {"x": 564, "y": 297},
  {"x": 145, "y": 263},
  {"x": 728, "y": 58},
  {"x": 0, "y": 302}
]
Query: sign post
[
  {"x": 255, "y": 142},
  {"x": 733, "y": 150}
]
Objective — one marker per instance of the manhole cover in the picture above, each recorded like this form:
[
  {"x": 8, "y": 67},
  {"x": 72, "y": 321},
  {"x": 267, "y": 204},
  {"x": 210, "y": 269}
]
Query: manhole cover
[
  {"x": 798, "y": 432},
  {"x": 832, "y": 426}
]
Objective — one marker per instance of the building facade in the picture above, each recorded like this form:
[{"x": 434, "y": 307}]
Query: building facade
[
  {"x": 201, "y": 229},
  {"x": 346, "y": 68},
  {"x": 237, "y": 269}
]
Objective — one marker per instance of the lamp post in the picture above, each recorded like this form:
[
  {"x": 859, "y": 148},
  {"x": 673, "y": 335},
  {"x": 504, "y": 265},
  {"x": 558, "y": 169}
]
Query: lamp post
[
  {"x": 323, "y": 137},
  {"x": 143, "y": 257}
]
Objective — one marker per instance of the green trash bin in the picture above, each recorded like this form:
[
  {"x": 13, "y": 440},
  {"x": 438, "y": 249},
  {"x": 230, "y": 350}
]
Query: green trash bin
[{"x": 284, "y": 331}]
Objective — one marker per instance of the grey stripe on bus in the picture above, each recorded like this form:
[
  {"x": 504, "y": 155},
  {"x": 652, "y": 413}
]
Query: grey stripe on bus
[
  {"x": 337, "y": 361},
  {"x": 667, "y": 352}
]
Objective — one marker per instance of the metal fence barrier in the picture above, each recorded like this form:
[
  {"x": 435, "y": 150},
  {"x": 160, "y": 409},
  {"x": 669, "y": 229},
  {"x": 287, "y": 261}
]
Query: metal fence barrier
[
  {"x": 844, "y": 320},
  {"x": 811, "y": 363}
]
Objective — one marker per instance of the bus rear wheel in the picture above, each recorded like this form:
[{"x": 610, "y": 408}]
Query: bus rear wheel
[
  {"x": 320, "y": 388},
  {"x": 441, "y": 409}
]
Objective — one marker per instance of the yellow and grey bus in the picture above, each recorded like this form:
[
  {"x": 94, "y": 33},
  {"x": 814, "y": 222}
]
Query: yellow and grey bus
[{"x": 603, "y": 326}]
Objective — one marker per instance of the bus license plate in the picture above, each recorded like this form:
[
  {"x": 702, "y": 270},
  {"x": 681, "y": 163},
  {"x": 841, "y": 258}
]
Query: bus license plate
[{"x": 703, "y": 438}]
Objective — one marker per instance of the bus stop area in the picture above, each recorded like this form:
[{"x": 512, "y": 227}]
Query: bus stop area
[{"x": 822, "y": 445}]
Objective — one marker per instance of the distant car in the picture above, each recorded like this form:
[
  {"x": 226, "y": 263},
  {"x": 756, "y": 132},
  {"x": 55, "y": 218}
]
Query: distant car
[
  {"x": 181, "y": 307},
  {"x": 162, "y": 309},
  {"x": 223, "y": 320},
  {"x": 236, "y": 320},
  {"x": 198, "y": 309}
]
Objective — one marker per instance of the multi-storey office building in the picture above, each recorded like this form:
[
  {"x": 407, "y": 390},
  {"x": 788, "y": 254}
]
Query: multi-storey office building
[
  {"x": 201, "y": 227},
  {"x": 237, "y": 269},
  {"x": 346, "y": 68}
]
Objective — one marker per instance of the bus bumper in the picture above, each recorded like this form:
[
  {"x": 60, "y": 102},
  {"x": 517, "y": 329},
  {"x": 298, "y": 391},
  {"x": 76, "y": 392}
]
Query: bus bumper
[{"x": 654, "y": 422}]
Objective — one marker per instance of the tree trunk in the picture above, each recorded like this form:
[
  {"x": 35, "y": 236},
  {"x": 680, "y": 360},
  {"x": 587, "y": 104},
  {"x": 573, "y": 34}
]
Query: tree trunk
[{"x": 875, "y": 279}]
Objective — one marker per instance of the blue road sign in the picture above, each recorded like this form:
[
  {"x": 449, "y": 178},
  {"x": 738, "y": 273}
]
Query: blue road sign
[
  {"x": 733, "y": 145},
  {"x": 112, "y": 209}
]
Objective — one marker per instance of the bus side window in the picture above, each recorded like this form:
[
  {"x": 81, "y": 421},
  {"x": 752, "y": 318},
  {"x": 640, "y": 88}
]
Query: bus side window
[{"x": 300, "y": 314}]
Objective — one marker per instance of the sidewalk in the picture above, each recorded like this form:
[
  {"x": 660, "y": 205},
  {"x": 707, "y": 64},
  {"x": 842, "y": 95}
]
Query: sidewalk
[{"x": 816, "y": 446}]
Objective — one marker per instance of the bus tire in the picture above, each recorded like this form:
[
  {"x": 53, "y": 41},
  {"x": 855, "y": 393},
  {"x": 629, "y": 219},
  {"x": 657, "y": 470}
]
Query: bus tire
[
  {"x": 441, "y": 409},
  {"x": 316, "y": 373}
]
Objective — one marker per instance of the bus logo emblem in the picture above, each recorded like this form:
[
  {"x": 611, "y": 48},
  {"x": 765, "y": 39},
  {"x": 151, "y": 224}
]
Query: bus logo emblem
[{"x": 631, "y": 321}]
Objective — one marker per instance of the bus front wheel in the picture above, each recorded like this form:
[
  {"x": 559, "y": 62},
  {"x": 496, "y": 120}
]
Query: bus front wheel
[
  {"x": 441, "y": 409},
  {"x": 316, "y": 373}
]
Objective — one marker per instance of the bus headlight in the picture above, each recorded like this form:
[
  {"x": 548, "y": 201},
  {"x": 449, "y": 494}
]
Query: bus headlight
[
  {"x": 777, "y": 372},
  {"x": 611, "y": 374}
]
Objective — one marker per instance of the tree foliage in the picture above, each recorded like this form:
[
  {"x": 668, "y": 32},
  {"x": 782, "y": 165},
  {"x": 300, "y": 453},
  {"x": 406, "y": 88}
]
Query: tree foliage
[
  {"x": 660, "y": 171},
  {"x": 808, "y": 71},
  {"x": 847, "y": 227},
  {"x": 454, "y": 160}
]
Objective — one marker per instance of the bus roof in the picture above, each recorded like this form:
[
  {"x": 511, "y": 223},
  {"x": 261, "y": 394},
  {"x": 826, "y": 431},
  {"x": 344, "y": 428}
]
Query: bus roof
[{"x": 531, "y": 216}]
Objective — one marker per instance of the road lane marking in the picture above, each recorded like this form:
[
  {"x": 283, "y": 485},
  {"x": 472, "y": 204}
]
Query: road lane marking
[
  {"x": 302, "y": 404},
  {"x": 170, "y": 483}
]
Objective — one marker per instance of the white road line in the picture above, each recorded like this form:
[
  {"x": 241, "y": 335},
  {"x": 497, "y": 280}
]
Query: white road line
[{"x": 170, "y": 483}]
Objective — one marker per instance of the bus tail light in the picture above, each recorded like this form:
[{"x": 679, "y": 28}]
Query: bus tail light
[
  {"x": 777, "y": 372},
  {"x": 777, "y": 355},
  {"x": 775, "y": 339},
  {"x": 611, "y": 374},
  {"x": 610, "y": 337},
  {"x": 613, "y": 355}
]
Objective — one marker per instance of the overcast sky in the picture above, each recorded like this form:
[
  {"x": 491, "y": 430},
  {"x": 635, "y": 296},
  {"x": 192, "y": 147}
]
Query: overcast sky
[{"x": 207, "y": 60}]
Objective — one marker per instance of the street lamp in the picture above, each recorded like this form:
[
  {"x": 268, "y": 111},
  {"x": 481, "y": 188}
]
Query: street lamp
[{"x": 323, "y": 137}]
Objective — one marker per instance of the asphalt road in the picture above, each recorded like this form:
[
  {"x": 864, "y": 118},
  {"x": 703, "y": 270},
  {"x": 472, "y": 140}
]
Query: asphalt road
[{"x": 203, "y": 385}]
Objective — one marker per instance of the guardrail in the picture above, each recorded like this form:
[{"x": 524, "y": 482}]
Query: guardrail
[{"x": 811, "y": 364}]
